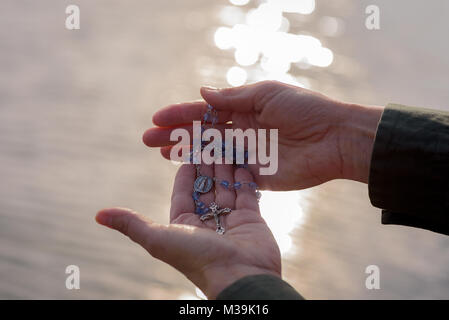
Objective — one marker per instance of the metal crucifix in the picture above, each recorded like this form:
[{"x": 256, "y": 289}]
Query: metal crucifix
[{"x": 215, "y": 213}]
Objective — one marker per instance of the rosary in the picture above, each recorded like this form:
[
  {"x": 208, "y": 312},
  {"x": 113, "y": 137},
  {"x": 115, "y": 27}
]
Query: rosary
[{"x": 203, "y": 184}]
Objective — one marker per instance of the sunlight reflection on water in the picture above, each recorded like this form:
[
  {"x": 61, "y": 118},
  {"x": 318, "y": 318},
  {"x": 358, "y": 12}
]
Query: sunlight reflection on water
[{"x": 264, "y": 49}]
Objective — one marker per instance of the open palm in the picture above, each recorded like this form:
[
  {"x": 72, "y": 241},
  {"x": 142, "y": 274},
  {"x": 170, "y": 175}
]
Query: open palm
[{"x": 209, "y": 260}]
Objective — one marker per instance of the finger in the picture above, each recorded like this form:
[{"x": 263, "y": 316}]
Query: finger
[
  {"x": 185, "y": 113},
  {"x": 160, "y": 137},
  {"x": 242, "y": 99},
  {"x": 173, "y": 244},
  {"x": 177, "y": 152},
  {"x": 181, "y": 200},
  {"x": 246, "y": 196},
  {"x": 224, "y": 175}
]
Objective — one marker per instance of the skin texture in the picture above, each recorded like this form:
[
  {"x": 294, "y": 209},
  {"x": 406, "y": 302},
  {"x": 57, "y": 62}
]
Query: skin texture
[{"x": 320, "y": 139}]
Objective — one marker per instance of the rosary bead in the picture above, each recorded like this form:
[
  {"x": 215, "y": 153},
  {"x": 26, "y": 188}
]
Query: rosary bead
[
  {"x": 201, "y": 211},
  {"x": 196, "y": 196},
  {"x": 253, "y": 185},
  {"x": 237, "y": 185},
  {"x": 225, "y": 184},
  {"x": 200, "y": 204}
]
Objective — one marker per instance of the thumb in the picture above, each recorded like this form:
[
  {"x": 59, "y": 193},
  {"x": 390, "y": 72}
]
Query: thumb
[
  {"x": 161, "y": 241},
  {"x": 136, "y": 226},
  {"x": 246, "y": 98},
  {"x": 181, "y": 246}
]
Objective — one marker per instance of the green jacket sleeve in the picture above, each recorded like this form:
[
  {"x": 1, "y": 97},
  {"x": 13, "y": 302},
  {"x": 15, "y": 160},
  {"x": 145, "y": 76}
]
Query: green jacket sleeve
[
  {"x": 409, "y": 174},
  {"x": 259, "y": 287}
]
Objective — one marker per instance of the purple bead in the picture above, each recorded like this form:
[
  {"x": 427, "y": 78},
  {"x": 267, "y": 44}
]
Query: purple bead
[
  {"x": 237, "y": 185},
  {"x": 253, "y": 185},
  {"x": 196, "y": 196}
]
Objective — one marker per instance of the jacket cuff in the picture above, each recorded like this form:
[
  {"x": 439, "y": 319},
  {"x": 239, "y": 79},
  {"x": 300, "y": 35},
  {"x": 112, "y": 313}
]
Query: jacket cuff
[
  {"x": 405, "y": 219},
  {"x": 260, "y": 287},
  {"x": 409, "y": 173}
]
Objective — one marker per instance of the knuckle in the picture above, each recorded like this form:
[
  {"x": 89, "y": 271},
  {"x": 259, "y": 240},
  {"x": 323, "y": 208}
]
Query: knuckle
[{"x": 266, "y": 93}]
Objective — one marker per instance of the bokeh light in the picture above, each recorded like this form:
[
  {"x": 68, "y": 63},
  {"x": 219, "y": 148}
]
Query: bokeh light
[
  {"x": 236, "y": 76},
  {"x": 239, "y": 2},
  {"x": 295, "y": 6},
  {"x": 267, "y": 17},
  {"x": 331, "y": 26},
  {"x": 223, "y": 38},
  {"x": 322, "y": 57},
  {"x": 262, "y": 41}
]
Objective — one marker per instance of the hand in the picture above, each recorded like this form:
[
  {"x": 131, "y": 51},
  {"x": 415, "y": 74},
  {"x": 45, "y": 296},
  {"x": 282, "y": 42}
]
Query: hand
[
  {"x": 209, "y": 260},
  {"x": 320, "y": 139}
]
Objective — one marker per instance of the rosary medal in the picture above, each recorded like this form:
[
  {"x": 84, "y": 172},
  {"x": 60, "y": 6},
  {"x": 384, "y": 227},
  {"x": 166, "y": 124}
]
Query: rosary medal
[{"x": 203, "y": 184}]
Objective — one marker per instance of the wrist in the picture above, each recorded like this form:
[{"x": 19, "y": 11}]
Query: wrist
[
  {"x": 219, "y": 278},
  {"x": 357, "y": 140}
]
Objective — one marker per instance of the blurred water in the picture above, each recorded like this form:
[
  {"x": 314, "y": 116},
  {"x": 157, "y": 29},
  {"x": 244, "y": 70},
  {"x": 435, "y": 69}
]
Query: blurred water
[{"x": 73, "y": 106}]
